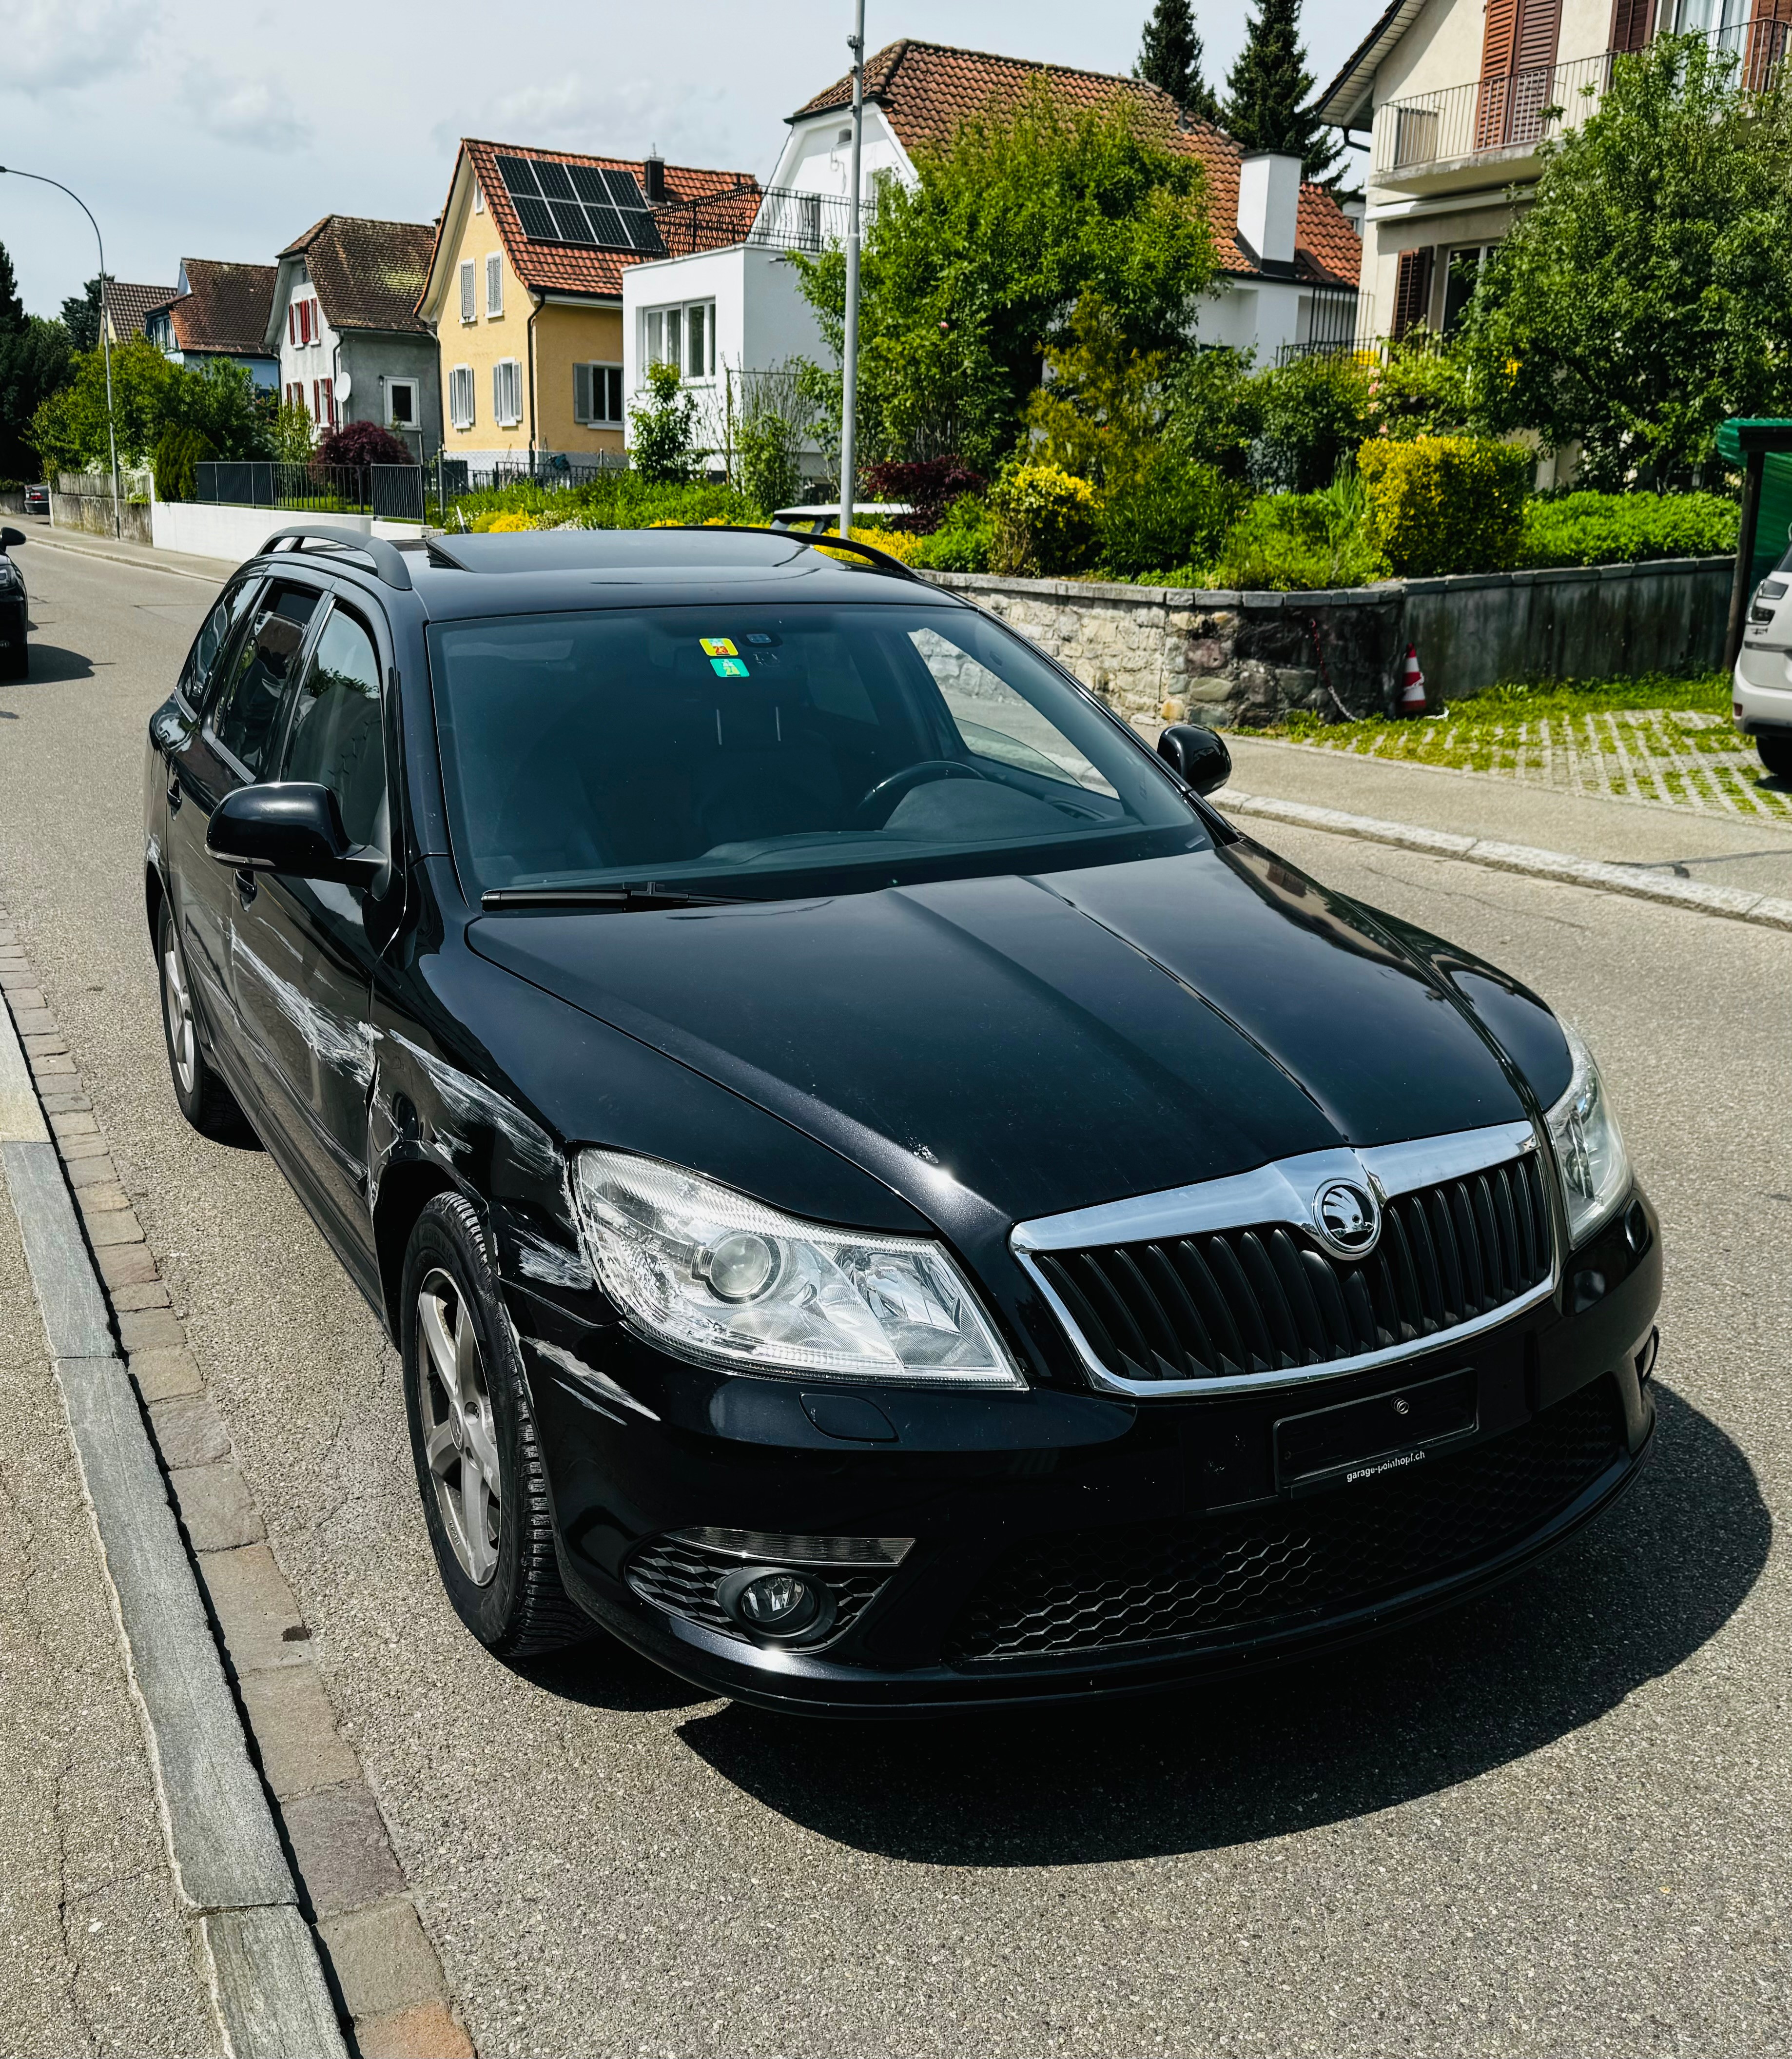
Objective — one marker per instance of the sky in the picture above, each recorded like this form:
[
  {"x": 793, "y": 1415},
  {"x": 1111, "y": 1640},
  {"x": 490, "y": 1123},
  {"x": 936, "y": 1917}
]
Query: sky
[{"x": 223, "y": 129}]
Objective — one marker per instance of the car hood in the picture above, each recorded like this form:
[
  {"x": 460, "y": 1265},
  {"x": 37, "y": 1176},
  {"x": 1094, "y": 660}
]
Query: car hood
[{"x": 1050, "y": 1042}]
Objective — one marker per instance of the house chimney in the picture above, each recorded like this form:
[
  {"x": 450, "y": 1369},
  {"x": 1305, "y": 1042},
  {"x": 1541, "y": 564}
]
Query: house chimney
[
  {"x": 653, "y": 167},
  {"x": 1269, "y": 199}
]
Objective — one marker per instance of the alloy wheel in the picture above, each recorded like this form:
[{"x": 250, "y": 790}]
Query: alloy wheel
[
  {"x": 460, "y": 1439},
  {"x": 182, "y": 1038}
]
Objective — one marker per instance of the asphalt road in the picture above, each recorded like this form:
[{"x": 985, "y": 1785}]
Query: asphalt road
[{"x": 1555, "y": 1822}]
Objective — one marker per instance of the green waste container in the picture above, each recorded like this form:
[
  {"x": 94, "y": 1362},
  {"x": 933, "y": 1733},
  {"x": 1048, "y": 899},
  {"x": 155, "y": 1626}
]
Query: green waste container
[{"x": 1772, "y": 530}]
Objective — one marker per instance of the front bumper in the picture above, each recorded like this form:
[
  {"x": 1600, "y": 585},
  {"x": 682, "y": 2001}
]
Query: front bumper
[
  {"x": 1761, "y": 688},
  {"x": 1070, "y": 1545}
]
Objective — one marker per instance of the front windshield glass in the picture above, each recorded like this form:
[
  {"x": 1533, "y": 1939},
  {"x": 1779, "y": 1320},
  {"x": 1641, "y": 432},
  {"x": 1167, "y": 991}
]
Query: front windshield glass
[{"x": 754, "y": 751}]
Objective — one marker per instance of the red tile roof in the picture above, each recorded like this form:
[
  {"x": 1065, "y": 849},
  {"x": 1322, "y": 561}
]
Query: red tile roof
[
  {"x": 131, "y": 306},
  {"x": 367, "y": 274},
  {"x": 225, "y": 308},
  {"x": 926, "y": 91},
  {"x": 565, "y": 268}
]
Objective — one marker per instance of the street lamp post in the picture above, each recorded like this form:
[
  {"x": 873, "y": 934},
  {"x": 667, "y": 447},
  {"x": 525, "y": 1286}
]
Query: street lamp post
[
  {"x": 848, "y": 353},
  {"x": 106, "y": 345}
]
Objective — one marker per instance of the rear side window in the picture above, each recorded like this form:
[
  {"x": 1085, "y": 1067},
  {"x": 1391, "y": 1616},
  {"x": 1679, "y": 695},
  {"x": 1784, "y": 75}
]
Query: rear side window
[
  {"x": 335, "y": 739},
  {"x": 203, "y": 658},
  {"x": 252, "y": 696}
]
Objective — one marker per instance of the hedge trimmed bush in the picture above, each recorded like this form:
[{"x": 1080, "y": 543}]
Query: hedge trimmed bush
[
  {"x": 1171, "y": 511},
  {"x": 1624, "y": 528},
  {"x": 1446, "y": 503},
  {"x": 1046, "y": 521}
]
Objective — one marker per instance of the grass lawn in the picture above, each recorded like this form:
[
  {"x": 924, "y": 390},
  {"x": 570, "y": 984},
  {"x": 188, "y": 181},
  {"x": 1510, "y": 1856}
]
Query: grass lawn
[{"x": 1652, "y": 739}]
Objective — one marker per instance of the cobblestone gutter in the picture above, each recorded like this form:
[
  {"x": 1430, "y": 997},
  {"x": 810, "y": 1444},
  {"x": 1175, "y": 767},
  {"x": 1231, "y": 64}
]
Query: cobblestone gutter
[{"x": 1245, "y": 660}]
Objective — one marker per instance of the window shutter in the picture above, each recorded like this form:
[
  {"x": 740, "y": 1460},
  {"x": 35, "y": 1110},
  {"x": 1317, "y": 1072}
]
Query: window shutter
[
  {"x": 1412, "y": 289},
  {"x": 494, "y": 283},
  {"x": 1498, "y": 44},
  {"x": 1766, "y": 43},
  {"x": 1539, "y": 27},
  {"x": 1630, "y": 23},
  {"x": 583, "y": 410},
  {"x": 292, "y": 329},
  {"x": 468, "y": 311}
]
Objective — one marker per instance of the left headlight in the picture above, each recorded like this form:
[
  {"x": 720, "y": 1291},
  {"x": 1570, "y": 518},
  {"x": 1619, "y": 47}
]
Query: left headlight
[
  {"x": 714, "y": 1277},
  {"x": 1589, "y": 1150}
]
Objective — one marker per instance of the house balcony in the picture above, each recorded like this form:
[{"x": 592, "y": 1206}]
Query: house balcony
[{"x": 1491, "y": 131}]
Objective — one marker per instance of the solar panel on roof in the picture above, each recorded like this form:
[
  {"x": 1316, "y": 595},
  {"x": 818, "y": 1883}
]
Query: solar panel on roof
[
  {"x": 570, "y": 223},
  {"x": 587, "y": 182},
  {"x": 606, "y": 226},
  {"x": 623, "y": 191},
  {"x": 518, "y": 175},
  {"x": 642, "y": 233},
  {"x": 538, "y": 224},
  {"x": 555, "y": 183}
]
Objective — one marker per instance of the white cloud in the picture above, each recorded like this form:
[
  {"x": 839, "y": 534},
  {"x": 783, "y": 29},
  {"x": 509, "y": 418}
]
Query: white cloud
[
  {"x": 61, "y": 45},
  {"x": 247, "y": 111},
  {"x": 622, "y": 118}
]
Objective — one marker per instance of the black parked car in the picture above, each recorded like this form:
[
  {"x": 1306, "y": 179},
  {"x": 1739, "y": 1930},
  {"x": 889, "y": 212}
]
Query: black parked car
[
  {"x": 887, "y": 1200},
  {"x": 15, "y": 652},
  {"x": 37, "y": 500}
]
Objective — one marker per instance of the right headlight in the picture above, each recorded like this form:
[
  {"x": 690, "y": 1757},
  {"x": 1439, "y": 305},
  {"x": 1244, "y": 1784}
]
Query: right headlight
[
  {"x": 708, "y": 1274},
  {"x": 1589, "y": 1150}
]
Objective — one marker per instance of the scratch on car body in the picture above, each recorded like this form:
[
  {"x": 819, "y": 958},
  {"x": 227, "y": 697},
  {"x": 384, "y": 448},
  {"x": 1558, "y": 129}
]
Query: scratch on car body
[
  {"x": 349, "y": 1047},
  {"x": 602, "y": 1381},
  {"x": 474, "y": 1102},
  {"x": 551, "y": 1262}
]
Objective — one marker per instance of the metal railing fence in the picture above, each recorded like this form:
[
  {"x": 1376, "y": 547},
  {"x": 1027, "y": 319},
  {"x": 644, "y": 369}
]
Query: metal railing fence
[{"x": 777, "y": 218}]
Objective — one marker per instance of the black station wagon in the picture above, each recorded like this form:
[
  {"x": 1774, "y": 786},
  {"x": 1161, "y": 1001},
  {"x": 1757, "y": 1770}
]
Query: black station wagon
[{"x": 887, "y": 1199}]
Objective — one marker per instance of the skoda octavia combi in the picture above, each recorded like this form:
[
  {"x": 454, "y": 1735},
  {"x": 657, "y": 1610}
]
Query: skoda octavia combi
[{"x": 887, "y": 1200}]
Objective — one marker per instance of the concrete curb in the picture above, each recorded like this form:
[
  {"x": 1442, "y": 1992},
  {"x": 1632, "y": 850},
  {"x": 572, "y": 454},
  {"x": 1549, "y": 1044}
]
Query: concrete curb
[
  {"x": 1639, "y": 882},
  {"x": 230, "y": 1872}
]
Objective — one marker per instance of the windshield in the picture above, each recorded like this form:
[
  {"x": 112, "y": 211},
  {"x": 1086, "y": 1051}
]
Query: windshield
[{"x": 752, "y": 751}]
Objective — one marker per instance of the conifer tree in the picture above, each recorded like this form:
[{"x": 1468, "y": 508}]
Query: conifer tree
[
  {"x": 1170, "y": 56},
  {"x": 1267, "y": 105},
  {"x": 12, "y": 308}
]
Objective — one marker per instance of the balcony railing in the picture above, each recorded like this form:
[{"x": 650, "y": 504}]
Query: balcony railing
[
  {"x": 779, "y": 218},
  {"x": 1519, "y": 109}
]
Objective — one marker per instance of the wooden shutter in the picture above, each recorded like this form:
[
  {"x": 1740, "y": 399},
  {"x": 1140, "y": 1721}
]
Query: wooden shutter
[
  {"x": 1768, "y": 35},
  {"x": 1539, "y": 27},
  {"x": 494, "y": 283},
  {"x": 1630, "y": 22},
  {"x": 582, "y": 409},
  {"x": 468, "y": 311},
  {"x": 1412, "y": 289},
  {"x": 1499, "y": 42}
]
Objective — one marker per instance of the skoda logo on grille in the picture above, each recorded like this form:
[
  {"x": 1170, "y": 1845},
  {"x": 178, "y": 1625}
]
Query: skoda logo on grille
[{"x": 1346, "y": 1218}]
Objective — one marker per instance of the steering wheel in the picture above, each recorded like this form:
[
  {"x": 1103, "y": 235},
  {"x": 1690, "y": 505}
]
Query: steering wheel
[{"x": 871, "y": 815}]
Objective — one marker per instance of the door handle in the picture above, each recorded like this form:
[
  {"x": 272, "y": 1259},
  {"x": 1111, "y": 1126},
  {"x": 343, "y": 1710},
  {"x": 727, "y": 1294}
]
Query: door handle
[
  {"x": 245, "y": 885},
  {"x": 175, "y": 796}
]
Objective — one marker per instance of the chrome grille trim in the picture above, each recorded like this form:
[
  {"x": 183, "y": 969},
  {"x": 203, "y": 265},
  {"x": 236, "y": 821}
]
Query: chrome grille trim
[{"x": 1282, "y": 1194}]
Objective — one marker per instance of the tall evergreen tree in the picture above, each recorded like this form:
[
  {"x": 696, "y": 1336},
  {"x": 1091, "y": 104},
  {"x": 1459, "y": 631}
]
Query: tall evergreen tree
[
  {"x": 80, "y": 316},
  {"x": 1268, "y": 107},
  {"x": 12, "y": 308},
  {"x": 1170, "y": 56},
  {"x": 34, "y": 362}
]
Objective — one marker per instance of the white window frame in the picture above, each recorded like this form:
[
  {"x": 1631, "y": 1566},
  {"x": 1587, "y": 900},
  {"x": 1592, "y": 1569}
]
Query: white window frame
[
  {"x": 658, "y": 324},
  {"x": 469, "y": 305},
  {"x": 494, "y": 285},
  {"x": 479, "y": 197},
  {"x": 392, "y": 387},
  {"x": 507, "y": 406},
  {"x": 462, "y": 387},
  {"x": 605, "y": 379}
]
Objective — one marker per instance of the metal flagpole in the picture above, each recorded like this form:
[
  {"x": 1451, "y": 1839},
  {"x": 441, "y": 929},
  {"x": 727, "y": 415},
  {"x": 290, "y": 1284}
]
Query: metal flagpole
[{"x": 849, "y": 355}]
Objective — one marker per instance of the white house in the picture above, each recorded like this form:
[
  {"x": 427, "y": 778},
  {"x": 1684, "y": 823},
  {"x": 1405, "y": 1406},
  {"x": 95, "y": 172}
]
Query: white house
[{"x": 1290, "y": 256}]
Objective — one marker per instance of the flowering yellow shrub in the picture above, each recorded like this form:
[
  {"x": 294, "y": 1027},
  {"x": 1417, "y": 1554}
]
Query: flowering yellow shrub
[
  {"x": 1046, "y": 520},
  {"x": 512, "y": 519},
  {"x": 1445, "y": 503}
]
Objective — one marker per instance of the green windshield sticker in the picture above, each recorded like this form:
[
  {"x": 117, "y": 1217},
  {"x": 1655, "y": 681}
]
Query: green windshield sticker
[{"x": 730, "y": 668}]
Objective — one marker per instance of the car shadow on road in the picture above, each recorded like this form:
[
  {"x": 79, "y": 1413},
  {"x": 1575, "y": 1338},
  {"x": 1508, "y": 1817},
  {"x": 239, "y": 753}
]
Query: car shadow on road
[
  {"x": 50, "y": 665},
  {"x": 1629, "y": 1598}
]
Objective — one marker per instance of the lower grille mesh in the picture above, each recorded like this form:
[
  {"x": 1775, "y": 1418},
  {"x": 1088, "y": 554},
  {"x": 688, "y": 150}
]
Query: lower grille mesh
[
  {"x": 681, "y": 1578},
  {"x": 1095, "y": 1590}
]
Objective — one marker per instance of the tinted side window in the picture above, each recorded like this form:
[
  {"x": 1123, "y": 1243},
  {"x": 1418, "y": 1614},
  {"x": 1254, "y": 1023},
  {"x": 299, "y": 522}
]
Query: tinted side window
[
  {"x": 336, "y": 738},
  {"x": 202, "y": 660},
  {"x": 246, "y": 717}
]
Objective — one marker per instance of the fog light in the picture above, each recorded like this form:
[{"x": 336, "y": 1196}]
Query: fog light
[{"x": 772, "y": 1602}]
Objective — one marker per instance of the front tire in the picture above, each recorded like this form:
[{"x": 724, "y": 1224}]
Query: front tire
[
  {"x": 473, "y": 1441},
  {"x": 1776, "y": 752},
  {"x": 206, "y": 1102}
]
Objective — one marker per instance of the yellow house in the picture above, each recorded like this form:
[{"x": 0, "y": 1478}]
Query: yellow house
[{"x": 524, "y": 293}]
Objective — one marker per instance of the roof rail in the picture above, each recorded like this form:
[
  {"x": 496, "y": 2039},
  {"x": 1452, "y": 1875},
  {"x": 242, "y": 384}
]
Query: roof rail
[
  {"x": 879, "y": 560},
  {"x": 388, "y": 561}
]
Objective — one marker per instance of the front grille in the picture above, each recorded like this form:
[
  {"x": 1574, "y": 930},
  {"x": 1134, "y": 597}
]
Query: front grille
[
  {"x": 1092, "y": 1590},
  {"x": 1261, "y": 1300},
  {"x": 681, "y": 1578}
]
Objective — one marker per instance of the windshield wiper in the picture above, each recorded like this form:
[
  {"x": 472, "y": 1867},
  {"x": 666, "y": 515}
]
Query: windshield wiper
[{"x": 622, "y": 900}]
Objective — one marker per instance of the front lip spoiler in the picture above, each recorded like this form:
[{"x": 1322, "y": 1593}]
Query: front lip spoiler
[{"x": 792, "y": 1684}]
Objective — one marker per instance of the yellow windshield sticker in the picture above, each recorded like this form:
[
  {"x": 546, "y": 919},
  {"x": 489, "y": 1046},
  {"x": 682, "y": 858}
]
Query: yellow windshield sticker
[
  {"x": 718, "y": 646},
  {"x": 730, "y": 668}
]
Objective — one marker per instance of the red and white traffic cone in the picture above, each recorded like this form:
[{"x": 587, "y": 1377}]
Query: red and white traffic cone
[{"x": 1412, "y": 684}]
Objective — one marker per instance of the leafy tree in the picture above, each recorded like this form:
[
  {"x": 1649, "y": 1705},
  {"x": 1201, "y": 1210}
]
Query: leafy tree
[
  {"x": 1214, "y": 408},
  {"x": 1645, "y": 293},
  {"x": 1170, "y": 56},
  {"x": 664, "y": 427},
  {"x": 80, "y": 316},
  {"x": 1267, "y": 103},
  {"x": 1316, "y": 411},
  {"x": 361, "y": 443},
  {"x": 968, "y": 277},
  {"x": 150, "y": 395},
  {"x": 292, "y": 434}
]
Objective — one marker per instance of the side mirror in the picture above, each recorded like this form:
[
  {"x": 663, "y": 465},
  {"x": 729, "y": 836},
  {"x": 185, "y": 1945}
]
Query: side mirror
[
  {"x": 1198, "y": 757},
  {"x": 8, "y": 537},
  {"x": 290, "y": 827}
]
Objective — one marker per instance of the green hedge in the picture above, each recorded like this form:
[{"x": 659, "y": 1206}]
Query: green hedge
[
  {"x": 1445, "y": 503},
  {"x": 1623, "y": 528},
  {"x": 614, "y": 501}
]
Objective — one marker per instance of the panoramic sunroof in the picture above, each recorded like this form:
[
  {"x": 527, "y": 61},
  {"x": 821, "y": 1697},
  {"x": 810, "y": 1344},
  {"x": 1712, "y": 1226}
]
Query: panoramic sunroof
[{"x": 588, "y": 204}]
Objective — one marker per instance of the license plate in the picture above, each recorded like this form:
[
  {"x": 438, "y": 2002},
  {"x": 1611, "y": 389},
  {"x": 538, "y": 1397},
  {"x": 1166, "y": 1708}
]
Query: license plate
[{"x": 1362, "y": 1440}]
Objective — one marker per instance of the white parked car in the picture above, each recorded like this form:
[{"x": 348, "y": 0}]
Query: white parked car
[{"x": 1761, "y": 688}]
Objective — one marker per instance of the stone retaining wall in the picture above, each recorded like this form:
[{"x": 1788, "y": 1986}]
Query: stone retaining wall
[
  {"x": 92, "y": 513},
  {"x": 1244, "y": 660}
]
